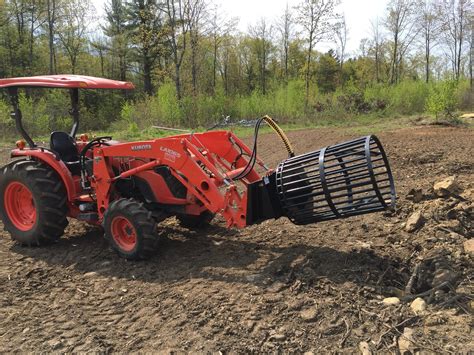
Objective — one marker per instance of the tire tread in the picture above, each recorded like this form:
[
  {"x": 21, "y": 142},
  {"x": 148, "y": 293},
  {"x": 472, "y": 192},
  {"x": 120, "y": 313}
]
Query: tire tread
[
  {"x": 49, "y": 189},
  {"x": 143, "y": 222}
]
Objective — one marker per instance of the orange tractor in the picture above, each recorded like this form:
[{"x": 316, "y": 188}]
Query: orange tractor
[{"x": 128, "y": 188}]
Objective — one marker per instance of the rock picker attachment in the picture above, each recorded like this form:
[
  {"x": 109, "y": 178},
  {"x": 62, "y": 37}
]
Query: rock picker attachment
[{"x": 127, "y": 188}]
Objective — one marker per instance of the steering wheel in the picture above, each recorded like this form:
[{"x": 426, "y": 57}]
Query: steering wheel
[{"x": 94, "y": 142}]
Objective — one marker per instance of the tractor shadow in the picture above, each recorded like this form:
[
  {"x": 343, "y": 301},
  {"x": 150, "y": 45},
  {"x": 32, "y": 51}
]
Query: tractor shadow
[{"x": 217, "y": 254}]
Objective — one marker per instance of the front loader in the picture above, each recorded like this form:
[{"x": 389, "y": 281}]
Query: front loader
[{"x": 128, "y": 188}]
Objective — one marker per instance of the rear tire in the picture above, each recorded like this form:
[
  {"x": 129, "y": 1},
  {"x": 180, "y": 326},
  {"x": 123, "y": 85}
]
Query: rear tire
[
  {"x": 130, "y": 229},
  {"x": 196, "y": 222},
  {"x": 33, "y": 204}
]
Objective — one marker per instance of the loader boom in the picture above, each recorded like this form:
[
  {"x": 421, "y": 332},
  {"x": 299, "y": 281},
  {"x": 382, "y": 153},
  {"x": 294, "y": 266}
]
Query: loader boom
[{"x": 203, "y": 162}]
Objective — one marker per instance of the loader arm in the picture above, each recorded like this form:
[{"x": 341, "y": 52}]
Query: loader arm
[{"x": 204, "y": 163}]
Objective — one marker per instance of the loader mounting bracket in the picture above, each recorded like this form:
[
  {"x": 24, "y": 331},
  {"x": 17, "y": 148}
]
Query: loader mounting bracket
[{"x": 262, "y": 201}]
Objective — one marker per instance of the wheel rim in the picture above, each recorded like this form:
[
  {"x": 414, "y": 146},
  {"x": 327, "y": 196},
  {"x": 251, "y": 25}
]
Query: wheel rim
[
  {"x": 124, "y": 233},
  {"x": 20, "y": 206}
]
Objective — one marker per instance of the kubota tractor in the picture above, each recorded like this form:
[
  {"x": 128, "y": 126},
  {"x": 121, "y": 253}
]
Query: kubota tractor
[{"x": 127, "y": 188}]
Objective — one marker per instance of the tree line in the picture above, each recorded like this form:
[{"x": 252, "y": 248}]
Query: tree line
[{"x": 195, "y": 46}]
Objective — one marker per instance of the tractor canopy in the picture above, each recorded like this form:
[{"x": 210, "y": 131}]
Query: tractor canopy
[
  {"x": 66, "y": 82},
  {"x": 71, "y": 82}
]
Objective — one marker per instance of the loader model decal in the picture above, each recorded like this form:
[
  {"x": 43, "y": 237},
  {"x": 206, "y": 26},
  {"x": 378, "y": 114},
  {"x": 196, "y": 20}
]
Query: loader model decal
[{"x": 170, "y": 154}]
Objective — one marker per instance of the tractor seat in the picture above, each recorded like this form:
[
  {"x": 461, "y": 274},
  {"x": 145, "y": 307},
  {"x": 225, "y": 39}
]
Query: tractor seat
[{"x": 65, "y": 146}]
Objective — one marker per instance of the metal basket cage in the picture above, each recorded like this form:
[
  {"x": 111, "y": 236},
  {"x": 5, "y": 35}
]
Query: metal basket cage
[{"x": 339, "y": 181}]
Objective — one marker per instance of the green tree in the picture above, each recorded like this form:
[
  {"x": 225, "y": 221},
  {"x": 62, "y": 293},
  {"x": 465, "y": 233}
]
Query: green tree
[
  {"x": 317, "y": 18},
  {"x": 327, "y": 72},
  {"x": 147, "y": 36},
  {"x": 73, "y": 27},
  {"x": 116, "y": 30}
]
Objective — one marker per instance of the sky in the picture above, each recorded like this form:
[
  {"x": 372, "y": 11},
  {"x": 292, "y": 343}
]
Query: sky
[{"x": 358, "y": 14}]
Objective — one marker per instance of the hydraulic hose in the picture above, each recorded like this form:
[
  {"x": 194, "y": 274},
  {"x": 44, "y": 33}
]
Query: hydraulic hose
[
  {"x": 251, "y": 163},
  {"x": 281, "y": 134}
]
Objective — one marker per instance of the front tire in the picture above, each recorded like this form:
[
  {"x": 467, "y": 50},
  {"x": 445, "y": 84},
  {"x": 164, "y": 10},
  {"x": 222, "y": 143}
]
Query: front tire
[
  {"x": 33, "y": 204},
  {"x": 130, "y": 229}
]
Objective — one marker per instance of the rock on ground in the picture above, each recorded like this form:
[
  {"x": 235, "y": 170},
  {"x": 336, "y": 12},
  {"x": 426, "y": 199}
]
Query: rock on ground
[
  {"x": 446, "y": 187},
  {"x": 415, "y": 195},
  {"x": 469, "y": 247},
  {"x": 364, "y": 348},
  {"x": 418, "y": 305},
  {"x": 415, "y": 222},
  {"x": 405, "y": 342},
  {"x": 391, "y": 301},
  {"x": 309, "y": 314}
]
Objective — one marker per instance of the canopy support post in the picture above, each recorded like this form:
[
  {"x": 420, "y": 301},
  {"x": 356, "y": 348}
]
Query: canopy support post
[
  {"x": 16, "y": 114},
  {"x": 74, "y": 93}
]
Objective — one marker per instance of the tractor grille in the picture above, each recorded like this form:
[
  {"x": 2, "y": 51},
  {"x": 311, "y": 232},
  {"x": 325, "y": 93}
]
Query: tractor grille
[{"x": 343, "y": 180}]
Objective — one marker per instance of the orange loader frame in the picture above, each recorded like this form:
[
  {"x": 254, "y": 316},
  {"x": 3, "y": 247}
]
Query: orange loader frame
[{"x": 205, "y": 163}]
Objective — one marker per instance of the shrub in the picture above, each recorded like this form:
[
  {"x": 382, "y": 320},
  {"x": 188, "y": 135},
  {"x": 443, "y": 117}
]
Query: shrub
[
  {"x": 126, "y": 121},
  {"x": 352, "y": 99},
  {"x": 379, "y": 96},
  {"x": 443, "y": 99},
  {"x": 465, "y": 96},
  {"x": 406, "y": 98},
  {"x": 6, "y": 122},
  {"x": 203, "y": 110},
  {"x": 287, "y": 103},
  {"x": 409, "y": 97},
  {"x": 161, "y": 109},
  {"x": 100, "y": 108},
  {"x": 57, "y": 106},
  {"x": 165, "y": 106},
  {"x": 35, "y": 116}
]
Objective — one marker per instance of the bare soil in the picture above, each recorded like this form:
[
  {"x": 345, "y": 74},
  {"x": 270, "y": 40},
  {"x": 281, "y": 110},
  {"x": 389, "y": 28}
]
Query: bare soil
[{"x": 271, "y": 287}]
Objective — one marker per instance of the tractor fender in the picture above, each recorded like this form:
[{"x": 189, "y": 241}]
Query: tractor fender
[{"x": 57, "y": 165}]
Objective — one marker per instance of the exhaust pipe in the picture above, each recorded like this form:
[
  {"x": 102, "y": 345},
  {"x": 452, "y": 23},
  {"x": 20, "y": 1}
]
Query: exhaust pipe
[{"x": 339, "y": 181}]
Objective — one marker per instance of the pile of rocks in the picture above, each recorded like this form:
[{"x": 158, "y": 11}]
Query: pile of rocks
[
  {"x": 438, "y": 222},
  {"x": 440, "y": 225},
  {"x": 445, "y": 206}
]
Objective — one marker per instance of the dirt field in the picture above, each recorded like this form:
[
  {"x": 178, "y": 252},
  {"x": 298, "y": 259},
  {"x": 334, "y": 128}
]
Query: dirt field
[{"x": 271, "y": 287}]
